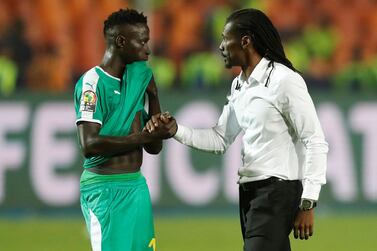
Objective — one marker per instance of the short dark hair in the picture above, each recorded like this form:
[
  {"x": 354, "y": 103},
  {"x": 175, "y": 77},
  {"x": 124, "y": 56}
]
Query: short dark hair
[
  {"x": 124, "y": 16},
  {"x": 265, "y": 37}
]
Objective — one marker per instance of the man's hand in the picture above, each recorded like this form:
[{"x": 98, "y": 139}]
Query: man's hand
[
  {"x": 303, "y": 226},
  {"x": 164, "y": 131},
  {"x": 161, "y": 125},
  {"x": 157, "y": 120}
]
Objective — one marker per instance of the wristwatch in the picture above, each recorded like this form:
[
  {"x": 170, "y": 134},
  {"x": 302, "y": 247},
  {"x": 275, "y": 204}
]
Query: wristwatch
[{"x": 307, "y": 204}]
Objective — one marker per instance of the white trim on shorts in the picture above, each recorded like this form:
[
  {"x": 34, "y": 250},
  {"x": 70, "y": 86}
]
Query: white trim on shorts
[{"x": 95, "y": 232}]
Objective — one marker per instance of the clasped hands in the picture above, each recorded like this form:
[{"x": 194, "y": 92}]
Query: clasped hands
[{"x": 161, "y": 126}]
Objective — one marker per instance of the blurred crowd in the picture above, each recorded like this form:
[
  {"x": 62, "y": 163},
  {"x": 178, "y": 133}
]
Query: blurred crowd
[
  {"x": 333, "y": 42},
  {"x": 45, "y": 45}
]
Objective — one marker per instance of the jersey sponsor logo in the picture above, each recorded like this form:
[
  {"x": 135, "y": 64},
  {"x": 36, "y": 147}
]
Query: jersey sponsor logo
[{"x": 88, "y": 101}]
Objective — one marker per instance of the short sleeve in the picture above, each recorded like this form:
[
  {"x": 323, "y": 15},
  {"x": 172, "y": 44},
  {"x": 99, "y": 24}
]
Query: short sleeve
[{"x": 87, "y": 101}]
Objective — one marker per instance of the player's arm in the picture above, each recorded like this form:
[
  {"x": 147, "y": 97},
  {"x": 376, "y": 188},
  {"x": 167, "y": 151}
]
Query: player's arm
[
  {"x": 298, "y": 109},
  {"x": 93, "y": 144},
  {"x": 216, "y": 139},
  {"x": 154, "y": 108}
]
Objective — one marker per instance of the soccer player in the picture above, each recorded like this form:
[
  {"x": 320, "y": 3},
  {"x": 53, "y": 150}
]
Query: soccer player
[
  {"x": 284, "y": 150},
  {"x": 109, "y": 103}
]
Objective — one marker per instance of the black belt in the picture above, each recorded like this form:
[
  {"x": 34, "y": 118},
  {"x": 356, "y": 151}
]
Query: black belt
[{"x": 261, "y": 183}]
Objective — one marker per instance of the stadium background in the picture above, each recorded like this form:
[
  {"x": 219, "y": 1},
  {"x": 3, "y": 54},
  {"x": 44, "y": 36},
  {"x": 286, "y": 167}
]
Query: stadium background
[{"x": 45, "y": 45}]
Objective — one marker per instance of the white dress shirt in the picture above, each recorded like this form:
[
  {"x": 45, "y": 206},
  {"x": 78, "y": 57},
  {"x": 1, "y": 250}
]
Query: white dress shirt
[{"x": 282, "y": 133}]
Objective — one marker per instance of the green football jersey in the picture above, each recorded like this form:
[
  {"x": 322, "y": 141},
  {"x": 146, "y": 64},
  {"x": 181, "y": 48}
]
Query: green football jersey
[{"x": 110, "y": 101}]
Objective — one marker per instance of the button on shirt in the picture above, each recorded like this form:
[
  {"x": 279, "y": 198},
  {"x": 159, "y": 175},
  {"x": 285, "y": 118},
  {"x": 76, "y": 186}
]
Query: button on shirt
[{"x": 282, "y": 133}]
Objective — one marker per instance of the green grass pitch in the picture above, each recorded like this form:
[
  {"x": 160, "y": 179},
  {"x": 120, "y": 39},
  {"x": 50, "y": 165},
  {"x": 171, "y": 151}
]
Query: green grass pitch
[{"x": 333, "y": 233}]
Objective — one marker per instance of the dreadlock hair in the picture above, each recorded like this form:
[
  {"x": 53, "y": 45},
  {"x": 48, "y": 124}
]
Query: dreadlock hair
[
  {"x": 123, "y": 16},
  {"x": 265, "y": 37}
]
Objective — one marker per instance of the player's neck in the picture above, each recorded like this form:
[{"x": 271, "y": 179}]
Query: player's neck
[{"x": 112, "y": 64}]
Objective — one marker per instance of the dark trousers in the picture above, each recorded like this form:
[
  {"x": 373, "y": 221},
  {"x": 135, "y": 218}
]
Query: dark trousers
[{"x": 267, "y": 213}]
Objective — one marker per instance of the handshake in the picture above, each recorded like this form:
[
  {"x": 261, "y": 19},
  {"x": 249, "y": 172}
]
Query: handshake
[{"x": 161, "y": 126}]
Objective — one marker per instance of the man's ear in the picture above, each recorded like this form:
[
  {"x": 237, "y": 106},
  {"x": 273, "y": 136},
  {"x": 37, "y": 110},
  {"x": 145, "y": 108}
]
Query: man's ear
[
  {"x": 245, "y": 42},
  {"x": 120, "y": 41}
]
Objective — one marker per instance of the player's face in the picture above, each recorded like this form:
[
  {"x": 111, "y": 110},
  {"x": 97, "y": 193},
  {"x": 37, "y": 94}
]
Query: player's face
[
  {"x": 136, "y": 46},
  {"x": 230, "y": 47}
]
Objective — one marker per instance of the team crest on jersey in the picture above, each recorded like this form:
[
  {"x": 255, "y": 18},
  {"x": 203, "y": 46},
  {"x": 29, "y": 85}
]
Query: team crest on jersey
[{"x": 88, "y": 102}]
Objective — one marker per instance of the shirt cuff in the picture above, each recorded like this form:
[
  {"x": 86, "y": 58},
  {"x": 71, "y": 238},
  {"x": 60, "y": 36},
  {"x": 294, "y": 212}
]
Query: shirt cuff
[
  {"x": 180, "y": 133},
  {"x": 311, "y": 191}
]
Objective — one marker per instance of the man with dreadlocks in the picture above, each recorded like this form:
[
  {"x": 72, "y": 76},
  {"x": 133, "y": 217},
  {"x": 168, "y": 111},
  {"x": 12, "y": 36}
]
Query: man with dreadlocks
[
  {"x": 109, "y": 102},
  {"x": 284, "y": 150}
]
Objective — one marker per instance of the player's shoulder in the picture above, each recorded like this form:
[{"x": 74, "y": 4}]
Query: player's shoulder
[
  {"x": 284, "y": 78},
  {"x": 88, "y": 80},
  {"x": 91, "y": 76}
]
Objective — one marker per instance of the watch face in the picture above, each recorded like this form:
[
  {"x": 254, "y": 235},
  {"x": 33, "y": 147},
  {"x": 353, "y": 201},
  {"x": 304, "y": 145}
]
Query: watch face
[{"x": 306, "y": 204}]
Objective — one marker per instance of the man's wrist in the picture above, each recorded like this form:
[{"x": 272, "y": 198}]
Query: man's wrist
[
  {"x": 179, "y": 132},
  {"x": 307, "y": 204}
]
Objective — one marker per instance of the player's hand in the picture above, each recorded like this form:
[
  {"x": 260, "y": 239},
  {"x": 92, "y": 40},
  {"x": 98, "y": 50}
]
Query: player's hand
[
  {"x": 172, "y": 125},
  {"x": 166, "y": 117},
  {"x": 156, "y": 120},
  {"x": 164, "y": 130},
  {"x": 303, "y": 226}
]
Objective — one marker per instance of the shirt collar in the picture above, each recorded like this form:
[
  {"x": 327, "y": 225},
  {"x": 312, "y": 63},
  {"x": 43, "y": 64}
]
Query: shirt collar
[{"x": 259, "y": 72}]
